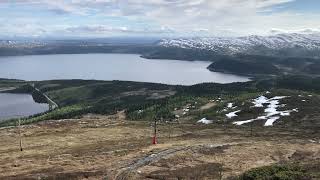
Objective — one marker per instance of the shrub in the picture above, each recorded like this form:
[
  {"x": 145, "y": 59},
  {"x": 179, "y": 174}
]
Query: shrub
[{"x": 276, "y": 172}]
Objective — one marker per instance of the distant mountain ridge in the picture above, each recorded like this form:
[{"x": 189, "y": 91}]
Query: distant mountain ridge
[
  {"x": 32, "y": 43},
  {"x": 286, "y": 44}
]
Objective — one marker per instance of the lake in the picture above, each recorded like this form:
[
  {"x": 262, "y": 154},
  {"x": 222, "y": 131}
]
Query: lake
[
  {"x": 127, "y": 67},
  {"x": 19, "y": 105}
]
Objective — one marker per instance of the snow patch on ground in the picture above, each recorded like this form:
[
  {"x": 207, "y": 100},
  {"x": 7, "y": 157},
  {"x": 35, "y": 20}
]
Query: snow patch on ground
[
  {"x": 205, "y": 121},
  {"x": 239, "y": 123},
  {"x": 260, "y": 101},
  {"x": 233, "y": 114},
  {"x": 230, "y": 105},
  {"x": 271, "y": 112},
  {"x": 271, "y": 120}
]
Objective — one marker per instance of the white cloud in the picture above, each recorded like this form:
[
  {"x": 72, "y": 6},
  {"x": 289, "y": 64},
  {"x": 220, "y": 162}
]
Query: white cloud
[
  {"x": 300, "y": 31},
  {"x": 218, "y": 17},
  {"x": 103, "y": 30}
]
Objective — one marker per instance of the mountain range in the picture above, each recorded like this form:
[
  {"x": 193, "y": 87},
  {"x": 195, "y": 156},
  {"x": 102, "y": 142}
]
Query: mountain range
[{"x": 282, "y": 44}]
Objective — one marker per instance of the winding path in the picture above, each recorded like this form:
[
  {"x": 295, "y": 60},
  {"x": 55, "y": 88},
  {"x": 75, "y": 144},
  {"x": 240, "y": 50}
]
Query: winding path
[{"x": 143, "y": 161}]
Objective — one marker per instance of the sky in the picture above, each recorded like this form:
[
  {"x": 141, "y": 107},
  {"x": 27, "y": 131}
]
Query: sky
[{"x": 159, "y": 18}]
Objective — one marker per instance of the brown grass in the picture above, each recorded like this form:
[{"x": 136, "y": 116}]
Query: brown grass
[{"x": 95, "y": 147}]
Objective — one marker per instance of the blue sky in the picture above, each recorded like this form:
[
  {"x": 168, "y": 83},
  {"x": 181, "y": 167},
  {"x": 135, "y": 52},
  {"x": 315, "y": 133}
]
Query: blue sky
[
  {"x": 107, "y": 18},
  {"x": 303, "y": 6}
]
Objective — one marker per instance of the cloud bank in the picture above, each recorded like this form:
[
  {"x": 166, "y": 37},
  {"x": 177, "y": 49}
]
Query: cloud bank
[{"x": 179, "y": 17}]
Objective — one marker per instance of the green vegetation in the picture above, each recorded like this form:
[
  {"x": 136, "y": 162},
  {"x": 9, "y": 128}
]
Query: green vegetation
[
  {"x": 147, "y": 101},
  {"x": 277, "y": 172},
  {"x": 255, "y": 65},
  {"x": 236, "y": 66},
  {"x": 67, "y": 112},
  {"x": 297, "y": 82},
  {"x": 10, "y": 83},
  {"x": 141, "y": 101},
  {"x": 180, "y": 54}
]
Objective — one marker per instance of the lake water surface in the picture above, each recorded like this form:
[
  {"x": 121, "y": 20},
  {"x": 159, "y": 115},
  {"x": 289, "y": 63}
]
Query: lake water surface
[
  {"x": 19, "y": 105},
  {"x": 128, "y": 67}
]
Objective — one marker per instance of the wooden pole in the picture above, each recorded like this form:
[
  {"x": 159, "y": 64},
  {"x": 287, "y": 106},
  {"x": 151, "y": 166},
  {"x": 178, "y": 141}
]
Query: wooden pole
[
  {"x": 170, "y": 130},
  {"x": 221, "y": 172},
  {"x": 154, "y": 139},
  {"x": 20, "y": 137}
]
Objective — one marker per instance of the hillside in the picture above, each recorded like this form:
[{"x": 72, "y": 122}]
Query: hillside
[
  {"x": 103, "y": 129},
  {"x": 254, "y": 65},
  {"x": 113, "y": 147},
  {"x": 146, "y": 101},
  {"x": 238, "y": 66}
]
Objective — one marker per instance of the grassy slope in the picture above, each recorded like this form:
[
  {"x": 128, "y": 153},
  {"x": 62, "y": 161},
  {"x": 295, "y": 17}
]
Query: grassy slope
[
  {"x": 96, "y": 147},
  {"x": 78, "y": 97},
  {"x": 146, "y": 101}
]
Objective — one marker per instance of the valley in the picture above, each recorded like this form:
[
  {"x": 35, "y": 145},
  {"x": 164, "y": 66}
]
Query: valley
[
  {"x": 159, "y": 90},
  {"x": 253, "y": 56},
  {"x": 210, "y": 125}
]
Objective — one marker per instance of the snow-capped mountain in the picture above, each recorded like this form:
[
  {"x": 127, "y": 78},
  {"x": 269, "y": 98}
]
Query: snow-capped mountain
[
  {"x": 249, "y": 44},
  {"x": 21, "y": 44}
]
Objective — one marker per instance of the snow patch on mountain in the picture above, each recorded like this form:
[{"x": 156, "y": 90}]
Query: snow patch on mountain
[{"x": 233, "y": 45}]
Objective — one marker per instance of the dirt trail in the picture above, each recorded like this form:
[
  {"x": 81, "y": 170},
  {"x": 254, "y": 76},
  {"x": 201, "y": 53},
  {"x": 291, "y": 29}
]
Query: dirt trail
[
  {"x": 208, "y": 106},
  {"x": 149, "y": 159}
]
